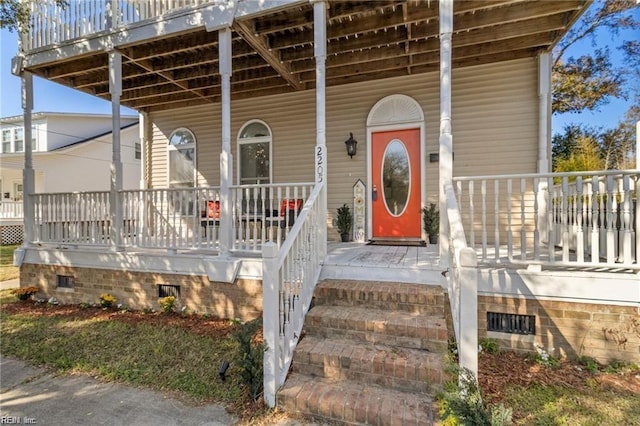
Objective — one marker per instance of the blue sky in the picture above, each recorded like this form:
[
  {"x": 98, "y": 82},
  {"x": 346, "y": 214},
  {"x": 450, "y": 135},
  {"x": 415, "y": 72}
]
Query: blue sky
[{"x": 57, "y": 98}]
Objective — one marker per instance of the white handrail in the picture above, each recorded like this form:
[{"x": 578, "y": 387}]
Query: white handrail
[
  {"x": 462, "y": 286},
  {"x": 290, "y": 275}
]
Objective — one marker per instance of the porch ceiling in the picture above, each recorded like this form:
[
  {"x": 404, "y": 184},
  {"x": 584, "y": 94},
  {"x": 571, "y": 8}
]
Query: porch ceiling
[{"x": 274, "y": 53}]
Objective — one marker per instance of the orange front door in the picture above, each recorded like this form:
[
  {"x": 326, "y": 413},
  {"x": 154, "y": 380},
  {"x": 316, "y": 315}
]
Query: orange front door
[{"x": 395, "y": 184}]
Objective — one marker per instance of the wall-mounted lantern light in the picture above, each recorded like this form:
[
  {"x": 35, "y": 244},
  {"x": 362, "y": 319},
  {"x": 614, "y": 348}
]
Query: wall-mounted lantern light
[{"x": 351, "y": 145}]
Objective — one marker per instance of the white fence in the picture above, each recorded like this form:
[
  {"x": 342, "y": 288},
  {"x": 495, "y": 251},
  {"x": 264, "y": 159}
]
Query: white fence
[
  {"x": 290, "y": 275},
  {"x": 568, "y": 219},
  {"x": 11, "y": 209},
  {"x": 52, "y": 24}
]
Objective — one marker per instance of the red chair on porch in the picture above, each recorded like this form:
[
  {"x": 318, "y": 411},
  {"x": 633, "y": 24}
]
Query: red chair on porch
[
  {"x": 289, "y": 211},
  {"x": 211, "y": 213}
]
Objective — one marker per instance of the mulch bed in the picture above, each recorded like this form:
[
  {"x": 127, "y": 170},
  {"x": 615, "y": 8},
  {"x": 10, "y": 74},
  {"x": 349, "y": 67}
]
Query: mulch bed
[
  {"x": 499, "y": 371},
  {"x": 196, "y": 324}
]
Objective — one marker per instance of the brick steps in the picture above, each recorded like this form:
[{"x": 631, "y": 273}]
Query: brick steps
[
  {"x": 391, "y": 367},
  {"x": 351, "y": 402},
  {"x": 416, "y": 298},
  {"x": 372, "y": 353},
  {"x": 373, "y": 325}
]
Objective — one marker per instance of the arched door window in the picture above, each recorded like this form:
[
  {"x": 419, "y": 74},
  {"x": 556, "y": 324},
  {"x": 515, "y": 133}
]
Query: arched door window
[
  {"x": 254, "y": 153},
  {"x": 182, "y": 159}
]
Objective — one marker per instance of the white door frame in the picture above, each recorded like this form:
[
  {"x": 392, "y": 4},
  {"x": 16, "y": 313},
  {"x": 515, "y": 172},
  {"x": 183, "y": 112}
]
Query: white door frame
[{"x": 395, "y": 112}]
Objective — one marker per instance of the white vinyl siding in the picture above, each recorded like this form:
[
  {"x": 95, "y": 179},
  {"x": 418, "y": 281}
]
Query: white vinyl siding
[{"x": 494, "y": 121}]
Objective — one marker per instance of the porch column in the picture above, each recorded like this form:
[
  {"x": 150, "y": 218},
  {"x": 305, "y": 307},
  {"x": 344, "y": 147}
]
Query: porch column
[
  {"x": 544, "y": 111},
  {"x": 446, "y": 139},
  {"x": 544, "y": 145},
  {"x": 226, "y": 165},
  {"x": 115, "y": 89},
  {"x": 320, "y": 53},
  {"x": 28, "y": 174},
  {"x": 144, "y": 135}
]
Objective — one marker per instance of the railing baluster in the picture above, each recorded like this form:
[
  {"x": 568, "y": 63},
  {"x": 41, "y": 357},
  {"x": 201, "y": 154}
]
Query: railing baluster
[
  {"x": 496, "y": 217},
  {"x": 523, "y": 226},
  {"x": 472, "y": 214},
  {"x": 626, "y": 221},
  {"x": 509, "y": 224},
  {"x": 579, "y": 237},
  {"x": 610, "y": 215},
  {"x": 536, "y": 219},
  {"x": 564, "y": 215}
]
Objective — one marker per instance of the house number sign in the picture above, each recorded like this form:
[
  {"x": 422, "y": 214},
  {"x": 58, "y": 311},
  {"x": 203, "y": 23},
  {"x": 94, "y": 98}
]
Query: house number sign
[{"x": 320, "y": 163}]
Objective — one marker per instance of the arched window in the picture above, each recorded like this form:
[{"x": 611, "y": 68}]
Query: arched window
[
  {"x": 182, "y": 158},
  {"x": 254, "y": 153}
]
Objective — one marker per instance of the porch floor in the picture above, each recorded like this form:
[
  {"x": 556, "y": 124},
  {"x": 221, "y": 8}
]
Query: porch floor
[{"x": 413, "y": 264}]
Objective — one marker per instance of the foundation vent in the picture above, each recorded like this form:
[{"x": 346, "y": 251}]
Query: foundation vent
[
  {"x": 165, "y": 290},
  {"x": 511, "y": 323}
]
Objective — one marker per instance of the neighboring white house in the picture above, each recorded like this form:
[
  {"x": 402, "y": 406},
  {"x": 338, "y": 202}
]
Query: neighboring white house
[{"x": 71, "y": 153}]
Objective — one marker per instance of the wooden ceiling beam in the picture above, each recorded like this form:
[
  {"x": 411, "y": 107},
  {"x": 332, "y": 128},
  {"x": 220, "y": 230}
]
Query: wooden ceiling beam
[
  {"x": 359, "y": 68},
  {"x": 260, "y": 45},
  {"x": 146, "y": 64}
]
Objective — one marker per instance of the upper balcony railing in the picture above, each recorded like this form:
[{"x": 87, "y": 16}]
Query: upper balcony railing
[{"x": 52, "y": 24}]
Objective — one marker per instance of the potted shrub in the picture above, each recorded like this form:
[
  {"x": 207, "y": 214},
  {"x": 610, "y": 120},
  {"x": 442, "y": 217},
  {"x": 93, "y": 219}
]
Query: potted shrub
[
  {"x": 344, "y": 222},
  {"x": 431, "y": 222}
]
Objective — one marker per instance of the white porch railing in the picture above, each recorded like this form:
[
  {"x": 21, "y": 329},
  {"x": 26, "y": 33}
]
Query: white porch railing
[
  {"x": 11, "y": 210},
  {"x": 172, "y": 218},
  {"x": 265, "y": 212},
  {"x": 561, "y": 219},
  {"x": 51, "y": 24},
  {"x": 462, "y": 287},
  {"x": 72, "y": 218},
  {"x": 290, "y": 275},
  {"x": 175, "y": 218}
]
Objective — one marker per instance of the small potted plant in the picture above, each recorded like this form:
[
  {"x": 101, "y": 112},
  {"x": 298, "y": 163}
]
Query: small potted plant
[
  {"x": 344, "y": 222},
  {"x": 431, "y": 222}
]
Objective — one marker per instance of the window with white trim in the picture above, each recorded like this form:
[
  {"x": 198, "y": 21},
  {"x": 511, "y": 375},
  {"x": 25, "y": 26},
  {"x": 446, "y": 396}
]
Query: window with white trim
[
  {"x": 254, "y": 153},
  {"x": 19, "y": 140},
  {"x": 6, "y": 140},
  {"x": 182, "y": 159}
]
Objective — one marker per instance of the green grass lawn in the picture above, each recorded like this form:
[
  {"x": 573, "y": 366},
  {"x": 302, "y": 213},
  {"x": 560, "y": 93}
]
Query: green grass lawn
[{"x": 7, "y": 270}]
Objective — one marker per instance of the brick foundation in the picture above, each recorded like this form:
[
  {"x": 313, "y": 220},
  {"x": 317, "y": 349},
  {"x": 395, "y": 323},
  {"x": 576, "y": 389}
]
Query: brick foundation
[
  {"x": 139, "y": 290},
  {"x": 604, "y": 332}
]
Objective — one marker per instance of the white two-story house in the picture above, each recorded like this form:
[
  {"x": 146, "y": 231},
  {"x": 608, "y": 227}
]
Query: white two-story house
[{"x": 71, "y": 153}]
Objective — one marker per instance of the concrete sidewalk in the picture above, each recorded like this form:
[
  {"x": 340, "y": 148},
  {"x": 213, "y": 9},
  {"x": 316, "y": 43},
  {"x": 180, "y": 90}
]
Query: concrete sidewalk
[
  {"x": 37, "y": 396},
  {"x": 5, "y": 285}
]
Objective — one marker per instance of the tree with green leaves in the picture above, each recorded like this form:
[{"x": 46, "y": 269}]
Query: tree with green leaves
[
  {"x": 589, "y": 82},
  {"x": 15, "y": 14}
]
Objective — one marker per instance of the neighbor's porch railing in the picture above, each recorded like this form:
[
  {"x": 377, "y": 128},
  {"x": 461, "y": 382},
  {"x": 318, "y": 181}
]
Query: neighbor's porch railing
[
  {"x": 171, "y": 218},
  {"x": 289, "y": 278},
  {"x": 51, "y": 24},
  {"x": 462, "y": 286},
  {"x": 11, "y": 209},
  {"x": 561, "y": 219}
]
